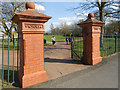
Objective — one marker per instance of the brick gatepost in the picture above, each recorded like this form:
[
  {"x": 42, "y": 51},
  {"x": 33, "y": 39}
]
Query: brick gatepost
[
  {"x": 91, "y": 29},
  {"x": 31, "y": 29}
]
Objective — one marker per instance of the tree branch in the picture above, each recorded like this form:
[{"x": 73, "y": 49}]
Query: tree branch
[
  {"x": 111, "y": 13},
  {"x": 94, "y": 4},
  {"x": 109, "y": 4},
  {"x": 103, "y": 4},
  {"x": 4, "y": 25},
  {"x": 98, "y": 4}
]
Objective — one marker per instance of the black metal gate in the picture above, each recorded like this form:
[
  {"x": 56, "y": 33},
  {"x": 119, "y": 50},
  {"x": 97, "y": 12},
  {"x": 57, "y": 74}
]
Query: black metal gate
[{"x": 77, "y": 47}]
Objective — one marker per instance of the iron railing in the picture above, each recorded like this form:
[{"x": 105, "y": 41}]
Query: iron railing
[
  {"x": 110, "y": 44},
  {"x": 8, "y": 48}
]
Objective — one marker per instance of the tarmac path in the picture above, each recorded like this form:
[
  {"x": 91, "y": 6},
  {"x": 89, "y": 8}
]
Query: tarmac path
[{"x": 102, "y": 75}]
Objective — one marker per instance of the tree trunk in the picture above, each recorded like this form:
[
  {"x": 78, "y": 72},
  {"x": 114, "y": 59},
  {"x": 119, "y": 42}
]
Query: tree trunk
[{"x": 101, "y": 13}]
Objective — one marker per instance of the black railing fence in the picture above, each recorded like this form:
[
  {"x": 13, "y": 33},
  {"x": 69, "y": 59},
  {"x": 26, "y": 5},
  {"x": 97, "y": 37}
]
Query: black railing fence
[{"x": 110, "y": 44}]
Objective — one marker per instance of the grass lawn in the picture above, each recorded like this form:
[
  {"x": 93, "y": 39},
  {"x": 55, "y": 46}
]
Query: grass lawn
[
  {"x": 47, "y": 44},
  {"x": 57, "y": 38},
  {"x": 6, "y": 44}
]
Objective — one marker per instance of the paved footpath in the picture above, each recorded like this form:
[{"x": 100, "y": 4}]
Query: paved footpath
[{"x": 103, "y": 75}]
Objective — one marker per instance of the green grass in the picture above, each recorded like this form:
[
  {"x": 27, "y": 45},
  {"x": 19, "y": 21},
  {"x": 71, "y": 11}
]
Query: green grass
[
  {"x": 57, "y": 38},
  {"x": 78, "y": 38},
  {"x": 47, "y": 44},
  {"x": 6, "y": 45}
]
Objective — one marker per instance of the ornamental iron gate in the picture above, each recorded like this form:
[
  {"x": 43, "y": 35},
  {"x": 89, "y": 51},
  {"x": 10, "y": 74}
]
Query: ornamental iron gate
[{"x": 77, "y": 47}]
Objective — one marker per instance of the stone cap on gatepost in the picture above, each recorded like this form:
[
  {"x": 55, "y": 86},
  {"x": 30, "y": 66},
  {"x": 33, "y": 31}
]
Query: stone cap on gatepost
[
  {"x": 91, "y": 21},
  {"x": 30, "y": 15}
]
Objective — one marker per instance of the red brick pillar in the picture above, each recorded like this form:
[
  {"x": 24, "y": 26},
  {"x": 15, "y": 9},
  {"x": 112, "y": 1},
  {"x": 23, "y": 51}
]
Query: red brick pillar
[
  {"x": 91, "y": 29},
  {"x": 31, "y": 30}
]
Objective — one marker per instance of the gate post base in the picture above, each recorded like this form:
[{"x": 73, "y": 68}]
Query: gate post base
[
  {"x": 34, "y": 78},
  {"x": 96, "y": 60},
  {"x": 93, "y": 61}
]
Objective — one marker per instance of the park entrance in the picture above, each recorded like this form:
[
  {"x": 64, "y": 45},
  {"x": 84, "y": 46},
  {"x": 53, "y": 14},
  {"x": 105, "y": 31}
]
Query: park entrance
[
  {"x": 75, "y": 47},
  {"x": 57, "y": 58},
  {"x": 31, "y": 33},
  {"x": 10, "y": 55}
]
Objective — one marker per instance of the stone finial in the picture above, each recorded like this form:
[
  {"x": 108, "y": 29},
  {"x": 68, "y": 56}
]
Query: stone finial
[
  {"x": 30, "y": 5},
  {"x": 91, "y": 15}
]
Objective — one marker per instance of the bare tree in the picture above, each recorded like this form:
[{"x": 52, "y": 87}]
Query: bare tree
[
  {"x": 65, "y": 30},
  {"x": 8, "y": 10},
  {"x": 102, "y": 9},
  {"x": 113, "y": 27}
]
